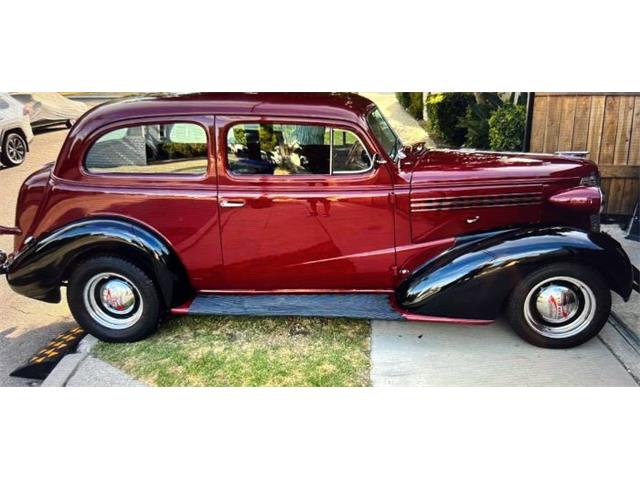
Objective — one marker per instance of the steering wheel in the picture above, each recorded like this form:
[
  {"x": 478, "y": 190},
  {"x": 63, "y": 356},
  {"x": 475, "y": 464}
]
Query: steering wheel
[{"x": 353, "y": 156}]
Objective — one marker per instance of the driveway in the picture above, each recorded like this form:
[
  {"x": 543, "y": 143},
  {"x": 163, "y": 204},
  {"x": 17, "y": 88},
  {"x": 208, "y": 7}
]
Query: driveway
[
  {"x": 26, "y": 325},
  {"x": 420, "y": 354}
]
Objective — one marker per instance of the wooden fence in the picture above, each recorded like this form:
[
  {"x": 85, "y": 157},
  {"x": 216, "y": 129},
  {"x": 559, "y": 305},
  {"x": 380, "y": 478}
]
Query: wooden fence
[{"x": 607, "y": 125}]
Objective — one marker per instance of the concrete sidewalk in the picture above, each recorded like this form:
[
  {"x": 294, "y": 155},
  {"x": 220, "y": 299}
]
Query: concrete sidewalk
[
  {"x": 93, "y": 372},
  {"x": 420, "y": 354},
  {"x": 627, "y": 312}
]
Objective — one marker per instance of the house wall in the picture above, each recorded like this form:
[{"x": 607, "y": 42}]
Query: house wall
[{"x": 607, "y": 125}]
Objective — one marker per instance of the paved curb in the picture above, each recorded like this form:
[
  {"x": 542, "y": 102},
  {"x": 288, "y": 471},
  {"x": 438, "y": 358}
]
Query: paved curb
[
  {"x": 87, "y": 344},
  {"x": 62, "y": 372}
]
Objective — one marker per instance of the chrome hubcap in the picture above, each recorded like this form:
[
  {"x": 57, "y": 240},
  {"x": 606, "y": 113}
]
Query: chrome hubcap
[
  {"x": 560, "y": 307},
  {"x": 557, "y": 304},
  {"x": 16, "y": 148},
  {"x": 113, "y": 301},
  {"x": 117, "y": 296}
]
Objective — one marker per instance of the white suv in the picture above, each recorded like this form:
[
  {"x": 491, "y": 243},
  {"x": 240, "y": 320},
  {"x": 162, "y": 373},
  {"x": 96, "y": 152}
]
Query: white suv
[{"x": 15, "y": 131}]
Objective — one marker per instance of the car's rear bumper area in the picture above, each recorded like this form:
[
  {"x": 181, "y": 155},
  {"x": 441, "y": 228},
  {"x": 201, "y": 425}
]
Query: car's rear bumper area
[
  {"x": 5, "y": 259},
  {"x": 28, "y": 281},
  {"x": 9, "y": 230},
  {"x": 4, "y": 264}
]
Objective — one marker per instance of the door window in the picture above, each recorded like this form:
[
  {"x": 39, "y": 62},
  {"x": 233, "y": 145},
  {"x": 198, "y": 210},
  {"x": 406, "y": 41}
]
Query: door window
[
  {"x": 348, "y": 153},
  {"x": 289, "y": 149}
]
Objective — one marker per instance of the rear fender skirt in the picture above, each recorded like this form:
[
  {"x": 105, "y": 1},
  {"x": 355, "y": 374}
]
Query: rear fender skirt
[
  {"x": 39, "y": 270},
  {"x": 474, "y": 278}
]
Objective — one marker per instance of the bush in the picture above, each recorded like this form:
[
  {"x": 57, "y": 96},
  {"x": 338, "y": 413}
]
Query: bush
[
  {"x": 184, "y": 150},
  {"x": 506, "y": 127},
  {"x": 412, "y": 103},
  {"x": 444, "y": 111},
  {"x": 476, "y": 123}
]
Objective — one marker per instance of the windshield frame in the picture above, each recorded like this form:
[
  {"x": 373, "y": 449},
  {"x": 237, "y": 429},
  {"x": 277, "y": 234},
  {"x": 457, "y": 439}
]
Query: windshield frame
[{"x": 394, "y": 150}]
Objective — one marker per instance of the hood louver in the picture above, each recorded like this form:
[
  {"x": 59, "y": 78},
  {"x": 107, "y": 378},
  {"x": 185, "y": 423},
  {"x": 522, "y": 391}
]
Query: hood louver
[{"x": 475, "y": 201}]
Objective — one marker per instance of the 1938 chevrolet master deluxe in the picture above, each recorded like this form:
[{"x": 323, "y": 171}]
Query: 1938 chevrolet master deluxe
[{"x": 307, "y": 204}]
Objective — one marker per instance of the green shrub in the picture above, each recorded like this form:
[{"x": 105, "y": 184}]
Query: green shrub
[
  {"x": 506, "y": 127},
  {"x": 184, "y": 150},
  {"x": 403, "y": 99},
  {"x": 444, "y": 111},
  {"x": 412, "y": 103},
  {"x": 476, "y": 123}
]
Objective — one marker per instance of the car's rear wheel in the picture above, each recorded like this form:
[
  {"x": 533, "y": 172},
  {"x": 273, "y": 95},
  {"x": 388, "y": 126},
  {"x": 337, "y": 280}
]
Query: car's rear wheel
[
  {"x": 560, "y": 306},
  {"x": 114, "y": 299},
  {"x": 14, "y": 149}
]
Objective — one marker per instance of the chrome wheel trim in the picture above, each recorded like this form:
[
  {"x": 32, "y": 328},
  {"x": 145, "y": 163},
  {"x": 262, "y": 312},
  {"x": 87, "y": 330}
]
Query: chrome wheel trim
[
  {"x": 556, "y": 303},
  {"x": 573, "y": 314},
  {"x": 113, "y": 300},
  {"x": 117, "y": 296},
  {"x": 16, "y": 148}
]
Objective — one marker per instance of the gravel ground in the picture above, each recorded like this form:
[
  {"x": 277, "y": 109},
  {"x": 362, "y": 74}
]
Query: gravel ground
[{"x": 26, "y": 325}]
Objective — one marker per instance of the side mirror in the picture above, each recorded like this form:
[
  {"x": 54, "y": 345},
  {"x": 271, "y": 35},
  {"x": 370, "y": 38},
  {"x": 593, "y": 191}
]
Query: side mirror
[{"x": 378, "y": 160}]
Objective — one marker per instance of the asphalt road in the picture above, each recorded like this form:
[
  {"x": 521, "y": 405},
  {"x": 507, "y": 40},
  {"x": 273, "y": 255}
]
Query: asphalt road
[{"x": 26, "y": 325}]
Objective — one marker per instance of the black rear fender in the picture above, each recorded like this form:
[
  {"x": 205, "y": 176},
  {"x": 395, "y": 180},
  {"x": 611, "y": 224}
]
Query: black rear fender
[{"x": 40, "y": 269}]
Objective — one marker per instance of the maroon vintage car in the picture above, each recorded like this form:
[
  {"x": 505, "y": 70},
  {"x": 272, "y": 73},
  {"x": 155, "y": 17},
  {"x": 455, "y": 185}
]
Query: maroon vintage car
[{"x": 307, "y": 204}]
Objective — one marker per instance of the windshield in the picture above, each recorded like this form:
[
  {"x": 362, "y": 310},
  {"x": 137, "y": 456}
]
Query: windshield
[{"x": 383, "y": 133}]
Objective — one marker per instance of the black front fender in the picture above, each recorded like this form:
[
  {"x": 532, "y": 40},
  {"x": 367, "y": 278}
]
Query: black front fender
[
  {"x": 39, "y": 270},
  {"x": 474, "y": 278}
]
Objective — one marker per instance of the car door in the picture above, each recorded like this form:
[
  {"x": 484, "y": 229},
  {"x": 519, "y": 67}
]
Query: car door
[{"x": 302, "y": 207}]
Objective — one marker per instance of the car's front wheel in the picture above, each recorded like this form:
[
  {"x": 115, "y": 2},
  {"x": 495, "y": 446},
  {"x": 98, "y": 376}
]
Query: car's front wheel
[
  {"x": 114, "y": 299},
  {"x": 14, "y": 150},
  {"x": 560, "y": 306}
]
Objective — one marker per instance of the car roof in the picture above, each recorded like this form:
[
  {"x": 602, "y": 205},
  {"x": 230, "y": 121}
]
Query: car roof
[{"x": 344, "y": 106}]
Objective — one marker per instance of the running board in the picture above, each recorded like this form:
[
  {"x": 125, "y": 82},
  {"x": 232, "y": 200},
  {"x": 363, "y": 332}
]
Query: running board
[{"x": 360, "y": 305}]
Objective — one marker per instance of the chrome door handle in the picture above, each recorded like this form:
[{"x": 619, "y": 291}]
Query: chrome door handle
[
  {"x": 232, "y": 203},
  {"x": 473, "y": 219}
]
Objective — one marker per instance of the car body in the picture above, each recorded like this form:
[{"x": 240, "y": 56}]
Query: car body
[
  {"x": 15, "y": 131},
  {"x": 282, "y": 204},
  {"x": 50, "y": 108}
]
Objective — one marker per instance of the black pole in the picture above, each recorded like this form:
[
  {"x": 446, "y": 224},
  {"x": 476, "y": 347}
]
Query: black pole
[{"x": 526, "y": 144}]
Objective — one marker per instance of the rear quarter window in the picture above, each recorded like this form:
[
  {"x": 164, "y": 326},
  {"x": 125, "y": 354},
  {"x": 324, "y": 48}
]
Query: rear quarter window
[{"x": 167, "y": 148}]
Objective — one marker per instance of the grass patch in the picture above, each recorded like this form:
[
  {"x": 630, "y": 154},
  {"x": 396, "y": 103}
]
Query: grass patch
[{"x": 248, "y": 351}]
